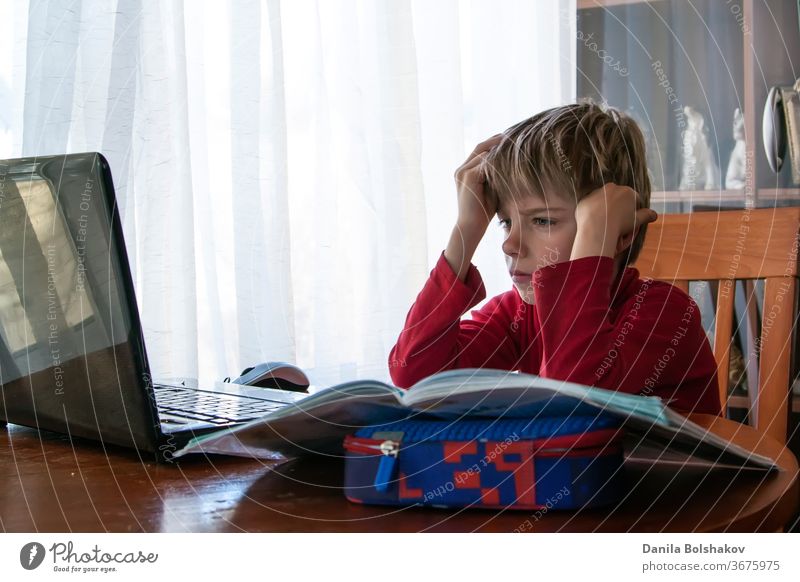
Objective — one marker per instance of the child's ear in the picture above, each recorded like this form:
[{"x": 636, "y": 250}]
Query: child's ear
[{"x": 625, "y": 241}]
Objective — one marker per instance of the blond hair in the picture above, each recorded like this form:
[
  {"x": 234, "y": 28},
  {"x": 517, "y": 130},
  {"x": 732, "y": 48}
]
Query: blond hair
[{"x": 570, "y": 151}]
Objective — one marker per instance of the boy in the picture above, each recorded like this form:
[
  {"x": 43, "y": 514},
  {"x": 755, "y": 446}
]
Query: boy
[{"x": 571, "y": 191}]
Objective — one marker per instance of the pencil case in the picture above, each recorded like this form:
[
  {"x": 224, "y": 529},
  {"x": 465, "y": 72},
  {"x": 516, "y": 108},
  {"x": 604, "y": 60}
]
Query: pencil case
[{"x": 555, "y": 463}]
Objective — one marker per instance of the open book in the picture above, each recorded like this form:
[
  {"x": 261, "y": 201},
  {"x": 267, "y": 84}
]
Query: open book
[{"x": 319, "y": 422}]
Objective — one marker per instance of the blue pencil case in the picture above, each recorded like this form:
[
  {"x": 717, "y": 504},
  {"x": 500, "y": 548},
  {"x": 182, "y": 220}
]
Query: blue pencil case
[{"x": 558, "y": 463}]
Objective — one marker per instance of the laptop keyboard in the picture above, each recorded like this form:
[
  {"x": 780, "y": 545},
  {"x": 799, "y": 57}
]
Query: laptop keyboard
[{"x": 215, "y": 408}]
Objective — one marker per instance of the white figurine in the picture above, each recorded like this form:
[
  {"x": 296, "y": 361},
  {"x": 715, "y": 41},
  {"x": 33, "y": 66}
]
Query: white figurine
[
  {"x": 699, "y": 168},
  {"x": 734, "y": 177}
]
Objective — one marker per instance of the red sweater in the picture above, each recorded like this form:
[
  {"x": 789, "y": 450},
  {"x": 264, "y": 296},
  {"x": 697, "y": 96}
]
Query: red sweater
[{"x": 639, "y": 336}]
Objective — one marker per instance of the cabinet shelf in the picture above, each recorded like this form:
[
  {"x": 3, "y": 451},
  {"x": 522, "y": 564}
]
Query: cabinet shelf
[
  {"x": 697, "y": 196},
  {"x": 604, "y": 3},
  {"x": 766, "y": 194}
]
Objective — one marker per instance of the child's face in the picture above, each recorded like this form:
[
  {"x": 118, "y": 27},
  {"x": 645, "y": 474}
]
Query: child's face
[{"x": 539, "y": 231}]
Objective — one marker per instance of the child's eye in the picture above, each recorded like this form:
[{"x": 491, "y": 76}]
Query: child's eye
[
  {"x": 504, "y": 223},
  {"x": 539, "y": 221}
]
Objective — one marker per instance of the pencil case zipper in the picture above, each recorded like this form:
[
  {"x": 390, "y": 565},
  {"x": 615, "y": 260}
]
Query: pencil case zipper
[{"x": 389, "y": 449}]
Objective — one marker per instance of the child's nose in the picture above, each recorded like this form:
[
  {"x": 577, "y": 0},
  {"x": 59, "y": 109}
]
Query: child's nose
[{"x": 512, "y": 245}]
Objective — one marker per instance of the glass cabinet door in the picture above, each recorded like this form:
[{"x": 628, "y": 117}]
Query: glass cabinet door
[{"x": 695, "y": 75}]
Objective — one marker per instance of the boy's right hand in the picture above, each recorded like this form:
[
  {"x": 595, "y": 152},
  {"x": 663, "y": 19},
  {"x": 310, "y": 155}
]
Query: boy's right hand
[{"x": 475, "y": 207}]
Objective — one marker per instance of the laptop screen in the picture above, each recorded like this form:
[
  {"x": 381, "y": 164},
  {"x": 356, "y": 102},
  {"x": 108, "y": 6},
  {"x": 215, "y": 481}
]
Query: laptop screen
[{"x": 71, "y": 358}]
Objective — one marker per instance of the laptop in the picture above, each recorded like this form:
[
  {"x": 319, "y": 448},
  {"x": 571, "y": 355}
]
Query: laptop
[{"x": 72, "y": 353}]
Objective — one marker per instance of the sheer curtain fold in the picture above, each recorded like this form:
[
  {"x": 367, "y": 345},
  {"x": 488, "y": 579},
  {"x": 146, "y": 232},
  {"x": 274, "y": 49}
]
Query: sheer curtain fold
[
  {"x": 261, "y": 268},
  {"x": 166, "y": 281},
  {"x": 284, "y": 170},
  {"x": 53, "y": 40}
]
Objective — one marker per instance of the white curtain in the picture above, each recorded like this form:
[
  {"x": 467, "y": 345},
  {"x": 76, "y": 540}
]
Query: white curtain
[{"x": 284, "y": 170}]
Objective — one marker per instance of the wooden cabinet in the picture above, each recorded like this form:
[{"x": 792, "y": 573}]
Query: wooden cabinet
[{"x": 655, "y": 58}]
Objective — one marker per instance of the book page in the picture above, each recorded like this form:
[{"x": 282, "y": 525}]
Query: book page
[
  {"x": 315, "y": 424},
  {"x": 486, "y": 392},
  {"x": 496, "y": 393}
]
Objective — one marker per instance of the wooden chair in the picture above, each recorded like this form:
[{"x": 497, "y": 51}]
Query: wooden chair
[{"x": 724, "y": 247}]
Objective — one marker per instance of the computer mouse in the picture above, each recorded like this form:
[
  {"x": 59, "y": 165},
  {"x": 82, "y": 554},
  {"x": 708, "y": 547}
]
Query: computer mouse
[{"x": 280, "y": 375}]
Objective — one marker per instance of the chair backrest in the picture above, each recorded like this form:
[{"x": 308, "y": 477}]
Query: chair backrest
[{"x": 724, "y": 247}]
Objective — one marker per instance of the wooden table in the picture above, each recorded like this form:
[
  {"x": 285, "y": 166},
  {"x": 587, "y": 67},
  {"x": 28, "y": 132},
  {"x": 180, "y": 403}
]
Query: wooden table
[{"x": 49, "y": 485}]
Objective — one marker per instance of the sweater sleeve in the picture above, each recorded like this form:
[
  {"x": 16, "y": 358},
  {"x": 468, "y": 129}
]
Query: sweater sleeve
[
  {"x": 434, "y": 338},
  {"x": 653, "y": 344}
]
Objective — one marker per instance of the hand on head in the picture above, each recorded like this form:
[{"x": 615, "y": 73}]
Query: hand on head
[
  {"x": 476, "y": 207},
  {"x": 616, "y": 211}
]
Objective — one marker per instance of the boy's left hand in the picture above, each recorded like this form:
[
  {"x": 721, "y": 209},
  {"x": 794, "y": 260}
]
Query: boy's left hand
[{"x": 608, "y": 220}]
